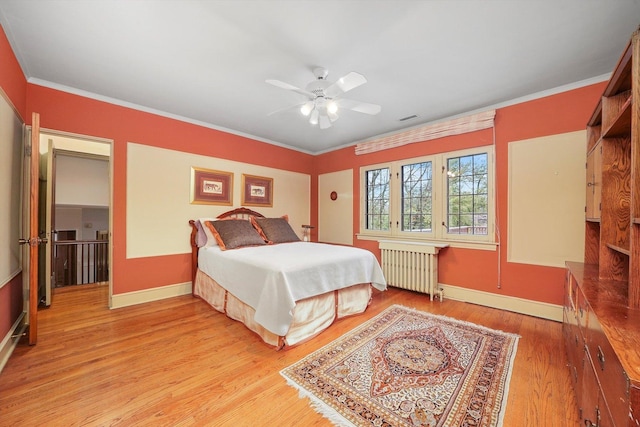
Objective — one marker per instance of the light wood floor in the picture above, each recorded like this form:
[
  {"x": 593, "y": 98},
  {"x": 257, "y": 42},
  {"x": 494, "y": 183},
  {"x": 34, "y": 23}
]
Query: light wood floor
[{"x": 178, "y": 362}]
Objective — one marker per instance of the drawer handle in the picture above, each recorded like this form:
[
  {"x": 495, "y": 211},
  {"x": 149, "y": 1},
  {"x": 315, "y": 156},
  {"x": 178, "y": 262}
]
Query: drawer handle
[
  {"x": 589, "y": 423},
  {"x": 601, "y": 358}
]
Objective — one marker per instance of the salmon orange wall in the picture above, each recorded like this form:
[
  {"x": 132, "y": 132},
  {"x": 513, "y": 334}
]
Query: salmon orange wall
[
  {"x": 62, "y": 111},
  {"x": 12, "y": 80},
  {"x": 479, "y": 269}
]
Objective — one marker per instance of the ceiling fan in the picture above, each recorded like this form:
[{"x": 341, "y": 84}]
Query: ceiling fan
[{"x": 324, "y": 98}]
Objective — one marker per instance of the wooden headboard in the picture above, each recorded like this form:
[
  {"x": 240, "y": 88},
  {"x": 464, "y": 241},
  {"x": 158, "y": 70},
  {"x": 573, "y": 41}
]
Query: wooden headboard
[{"x": 237, "y": 213}]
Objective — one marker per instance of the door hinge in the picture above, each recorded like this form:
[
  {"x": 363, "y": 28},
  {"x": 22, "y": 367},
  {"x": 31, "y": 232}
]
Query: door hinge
[
  {"x": 27, "y": 150},
  {"x": 628, "y": 385}
]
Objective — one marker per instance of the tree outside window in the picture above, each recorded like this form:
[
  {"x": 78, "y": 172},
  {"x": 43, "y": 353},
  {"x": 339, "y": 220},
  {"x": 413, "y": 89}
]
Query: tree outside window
[
  {"x": 467, "y": 183},
  {"x": 377, "y": 191}
]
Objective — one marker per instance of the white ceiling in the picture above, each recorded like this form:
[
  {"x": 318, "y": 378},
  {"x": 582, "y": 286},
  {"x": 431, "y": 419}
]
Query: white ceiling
[{"x": 207, "y": 61}]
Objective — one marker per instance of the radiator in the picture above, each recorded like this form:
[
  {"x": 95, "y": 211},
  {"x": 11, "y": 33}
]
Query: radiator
[{"x": 411, "y": 265}]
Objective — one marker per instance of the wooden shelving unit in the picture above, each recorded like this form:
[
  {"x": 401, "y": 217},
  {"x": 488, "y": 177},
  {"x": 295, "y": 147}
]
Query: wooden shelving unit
[
  {"x": 602, "y": 299},
  {"x": 611, "y": 179}
]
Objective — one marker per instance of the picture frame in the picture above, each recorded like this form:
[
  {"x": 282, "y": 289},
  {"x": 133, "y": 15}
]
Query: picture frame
[
  {"x": 211, "y": 187},
  {"x": 257, "y": 191}
]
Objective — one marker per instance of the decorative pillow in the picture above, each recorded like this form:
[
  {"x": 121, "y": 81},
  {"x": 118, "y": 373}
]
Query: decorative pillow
[
  {"x": 275, "y": 230},
  {"x": 202, "y": 236},
  {"x": 232, "y": 234}
]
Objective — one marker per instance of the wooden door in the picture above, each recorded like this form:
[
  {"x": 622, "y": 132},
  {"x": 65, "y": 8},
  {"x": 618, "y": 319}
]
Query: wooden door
[
  {"x": 49, "y": 221},
  {"x": 32, "y": 162}
]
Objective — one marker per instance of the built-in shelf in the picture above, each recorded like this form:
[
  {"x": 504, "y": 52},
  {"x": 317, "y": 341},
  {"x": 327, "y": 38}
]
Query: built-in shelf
[
  {"x": 618, "y": 249},
  {"x": 621, "y": 125},
  {"x": 602, "y": 299}
]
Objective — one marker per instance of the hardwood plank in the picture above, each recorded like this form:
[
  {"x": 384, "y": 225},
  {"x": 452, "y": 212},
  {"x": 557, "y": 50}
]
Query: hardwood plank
[{"x": 179, "y": 362}]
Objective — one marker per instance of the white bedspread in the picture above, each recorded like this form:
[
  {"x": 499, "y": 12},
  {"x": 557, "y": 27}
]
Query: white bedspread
[{"x": 272, "y": 278}]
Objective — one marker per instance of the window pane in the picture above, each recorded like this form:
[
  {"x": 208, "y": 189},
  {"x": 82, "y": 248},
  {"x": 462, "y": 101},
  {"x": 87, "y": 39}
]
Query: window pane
[
  {"x": 467, "y": 183},
  {"x": 481, "y": 205},
  {"x": 454, "y": 185},
  {"x": 377, "y": 203},
  {"x": 416, "y": 197}
]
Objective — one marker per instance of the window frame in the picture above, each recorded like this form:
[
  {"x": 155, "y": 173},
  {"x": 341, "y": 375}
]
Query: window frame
[{"x": 439, "y": 200}]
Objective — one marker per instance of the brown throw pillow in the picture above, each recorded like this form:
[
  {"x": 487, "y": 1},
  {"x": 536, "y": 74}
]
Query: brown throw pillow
[
  {"x": 233, "y": 234},
  {"x": 275, "y": 230}
]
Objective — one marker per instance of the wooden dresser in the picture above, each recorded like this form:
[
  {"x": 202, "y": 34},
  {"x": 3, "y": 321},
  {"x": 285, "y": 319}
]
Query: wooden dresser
[
  {"x": 602, "y": 339},
  {"x": 602, "y": 296}
]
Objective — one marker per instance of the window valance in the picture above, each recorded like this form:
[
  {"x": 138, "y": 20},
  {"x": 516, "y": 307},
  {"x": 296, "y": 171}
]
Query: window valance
[{"x": 457, "y": 126}]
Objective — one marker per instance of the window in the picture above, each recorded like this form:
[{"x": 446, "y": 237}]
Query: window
[
  {"x": 378, "y": 199},
  {"x": 416, "y": 197},
  {"x": 448, "y": 196},
  {"x": 468, "y": 194}
]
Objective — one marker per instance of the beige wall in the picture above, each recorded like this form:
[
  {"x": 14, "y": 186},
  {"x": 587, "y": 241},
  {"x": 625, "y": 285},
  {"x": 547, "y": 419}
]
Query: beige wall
[
  {"x": 159, "y": 194},
  {"x": 81, "y": 181},
  {"x": 10, "y": 176},
  {"x": 335, "y": 217},
  {"x": 547, "y": 199}
]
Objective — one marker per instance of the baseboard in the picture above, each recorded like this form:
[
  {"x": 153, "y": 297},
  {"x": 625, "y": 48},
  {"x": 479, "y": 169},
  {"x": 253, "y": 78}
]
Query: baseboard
[
  {"x": 10, "y": 341},
  {"x": 503, "y": 302},
  {"x": 148, "y": 295}
]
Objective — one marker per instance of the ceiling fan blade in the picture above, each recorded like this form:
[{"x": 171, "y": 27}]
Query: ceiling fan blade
[
  {"x": 345, "y": 84},
  {"x": 360, "y": 107},
  {"x": 325, "y": 122},
  {"x": 287, "y": 86},
  {"x": 290, "y": 107}
]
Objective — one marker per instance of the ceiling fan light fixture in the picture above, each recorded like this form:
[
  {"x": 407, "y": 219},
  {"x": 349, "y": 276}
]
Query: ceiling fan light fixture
[
  {"x": 314, "y": 117},
  {"x": 332, "y": 107},
  {"x": 306, "y": 108},
  {"x": 324, "y": 98}
]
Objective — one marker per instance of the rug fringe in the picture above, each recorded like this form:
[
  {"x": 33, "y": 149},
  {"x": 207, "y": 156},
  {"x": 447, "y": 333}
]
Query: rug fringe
[
  {"x": 507, "y": 381},
  {"x": 319, "y": 406}
]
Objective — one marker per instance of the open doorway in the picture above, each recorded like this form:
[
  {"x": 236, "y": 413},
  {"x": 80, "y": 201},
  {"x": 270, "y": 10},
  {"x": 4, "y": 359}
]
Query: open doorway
[{"x": 75, "y": 213}]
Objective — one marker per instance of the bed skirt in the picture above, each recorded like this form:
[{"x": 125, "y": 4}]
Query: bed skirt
[{"x": 310, "y": 316}]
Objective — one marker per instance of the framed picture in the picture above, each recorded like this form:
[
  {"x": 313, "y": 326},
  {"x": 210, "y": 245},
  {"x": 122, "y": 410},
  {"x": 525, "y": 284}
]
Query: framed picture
[
  {"x": 210, "y": 187},
  {"x": 257, "y": 191}
]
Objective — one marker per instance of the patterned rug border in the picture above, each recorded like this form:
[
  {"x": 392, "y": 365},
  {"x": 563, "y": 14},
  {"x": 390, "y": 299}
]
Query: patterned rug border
[{"x": 339, "y": 420}]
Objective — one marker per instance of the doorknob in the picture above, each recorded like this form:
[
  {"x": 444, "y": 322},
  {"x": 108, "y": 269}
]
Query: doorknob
[{"x": 33, "y": 242}]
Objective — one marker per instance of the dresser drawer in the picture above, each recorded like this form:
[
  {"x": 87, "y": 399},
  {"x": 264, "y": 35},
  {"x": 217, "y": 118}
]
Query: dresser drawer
[
  {"x": 573, "y": 343},
  {"x": 582, "y": 313},
  {"x": 611, "y": 376}
]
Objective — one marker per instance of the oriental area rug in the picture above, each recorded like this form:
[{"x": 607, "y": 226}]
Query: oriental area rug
[{"x": 409, "y": 368}]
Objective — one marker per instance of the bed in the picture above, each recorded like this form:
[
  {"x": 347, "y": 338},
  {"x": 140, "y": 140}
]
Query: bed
[{"x": 285, "y": 290}]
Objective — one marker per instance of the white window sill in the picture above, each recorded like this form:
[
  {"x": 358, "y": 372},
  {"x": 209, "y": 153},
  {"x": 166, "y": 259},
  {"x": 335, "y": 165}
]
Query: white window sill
[{"x": 483, "y": 246}]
